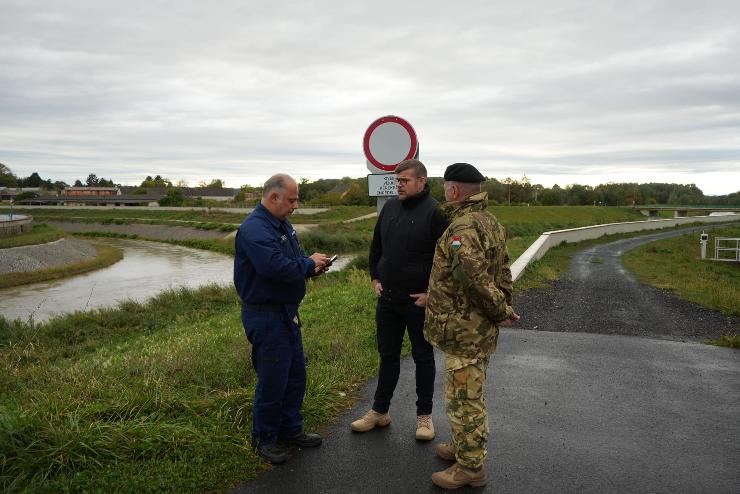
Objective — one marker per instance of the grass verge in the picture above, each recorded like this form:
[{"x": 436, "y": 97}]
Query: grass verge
[
  {"x": 731, "y": 340},
  {"x": 106, "y": 255},
  {"x": 158, "y": 396},
  {"x": 39, "y": 234},
  {"x": 675, "y": 264}
]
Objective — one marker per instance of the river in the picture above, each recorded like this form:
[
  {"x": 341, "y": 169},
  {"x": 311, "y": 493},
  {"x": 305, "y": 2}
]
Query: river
[{"x": 147, "y": 268}]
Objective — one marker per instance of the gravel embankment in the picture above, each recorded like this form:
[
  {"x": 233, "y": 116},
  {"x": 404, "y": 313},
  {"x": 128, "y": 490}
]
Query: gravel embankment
[{"x": 44, "y": 256}]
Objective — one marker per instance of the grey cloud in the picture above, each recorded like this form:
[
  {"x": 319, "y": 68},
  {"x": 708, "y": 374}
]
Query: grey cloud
[{"x": 556, "y": 88}]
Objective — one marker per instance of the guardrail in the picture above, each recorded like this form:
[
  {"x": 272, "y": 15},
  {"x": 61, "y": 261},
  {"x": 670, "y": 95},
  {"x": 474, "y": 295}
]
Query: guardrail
[
  {"x": 550, "y": 239},
  {"x": 720, "y": 249}
]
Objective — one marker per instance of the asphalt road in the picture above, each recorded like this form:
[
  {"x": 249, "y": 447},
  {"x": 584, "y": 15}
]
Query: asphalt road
[{"x": 598, "y": 398}]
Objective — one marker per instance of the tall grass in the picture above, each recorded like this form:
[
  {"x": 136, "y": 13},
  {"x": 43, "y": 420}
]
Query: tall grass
[{"x": 158, "y": 396}]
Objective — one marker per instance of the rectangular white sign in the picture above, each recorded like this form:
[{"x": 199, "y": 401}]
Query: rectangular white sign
[{"x": 381, "y": 185}]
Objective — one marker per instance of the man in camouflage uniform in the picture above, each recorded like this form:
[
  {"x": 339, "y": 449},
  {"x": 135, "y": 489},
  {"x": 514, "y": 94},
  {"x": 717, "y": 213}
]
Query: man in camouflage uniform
[{"x": 469, "y": 298}]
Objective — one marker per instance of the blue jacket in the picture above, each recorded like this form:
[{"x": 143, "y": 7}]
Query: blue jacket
[{"x": 270, "y": 266}]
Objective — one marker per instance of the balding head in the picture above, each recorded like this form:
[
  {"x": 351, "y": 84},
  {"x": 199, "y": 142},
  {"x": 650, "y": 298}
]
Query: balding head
[{"x": 280, "y": 195}]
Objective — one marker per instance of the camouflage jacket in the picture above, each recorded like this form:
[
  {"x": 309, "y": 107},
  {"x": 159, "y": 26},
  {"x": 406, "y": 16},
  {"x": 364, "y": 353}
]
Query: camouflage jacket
[{"x": 470, "y": 285}]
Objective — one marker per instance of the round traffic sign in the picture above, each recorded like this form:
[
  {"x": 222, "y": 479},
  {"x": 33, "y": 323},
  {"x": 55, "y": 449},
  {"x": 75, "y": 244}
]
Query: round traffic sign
[{"x": 388, "y": 141}]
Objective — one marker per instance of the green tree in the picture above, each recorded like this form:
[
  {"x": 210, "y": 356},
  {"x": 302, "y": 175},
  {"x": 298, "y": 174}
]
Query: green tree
[
  {"x": 158, "y": 181},
  {"x": 173, "y": 197},
  {"x": 7, "y": 179}
]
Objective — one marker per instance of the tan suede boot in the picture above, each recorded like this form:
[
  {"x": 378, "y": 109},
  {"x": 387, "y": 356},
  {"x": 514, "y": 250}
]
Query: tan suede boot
[
  {"x": 446, "y": 451},
  {"x": 370, "y": 420},
  {"x": 424, "y": 428},
  {"x": 458, "y": 476}
]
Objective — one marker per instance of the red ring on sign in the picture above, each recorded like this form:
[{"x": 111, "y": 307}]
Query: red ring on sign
[{"x": 366, "y": 141}]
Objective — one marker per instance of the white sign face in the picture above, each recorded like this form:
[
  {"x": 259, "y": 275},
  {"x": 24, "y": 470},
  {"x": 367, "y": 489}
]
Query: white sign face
[
  {"x": 388, "y": 141},
  {"x": 382, "y": 185}
]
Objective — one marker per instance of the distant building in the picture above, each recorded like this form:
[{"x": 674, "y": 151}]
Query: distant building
[
  {"x": 212, "y": 193},
  {"x": 91, "y": 191},
  {"x": 8, "y": 193},
  {"x": 124, "y": 196}
]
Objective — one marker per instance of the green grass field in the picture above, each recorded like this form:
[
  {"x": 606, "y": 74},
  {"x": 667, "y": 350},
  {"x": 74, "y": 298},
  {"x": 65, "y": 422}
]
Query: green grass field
[
  {"x": 535, "y": 220},
  {"x": 336, "y": 213},
  {"x": 675, "y": 264}
]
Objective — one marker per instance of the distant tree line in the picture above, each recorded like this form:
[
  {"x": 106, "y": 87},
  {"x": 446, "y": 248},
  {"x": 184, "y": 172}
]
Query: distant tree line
[
  {"x": 510, "y": 191},
  {"x": 354, "y": 191}
]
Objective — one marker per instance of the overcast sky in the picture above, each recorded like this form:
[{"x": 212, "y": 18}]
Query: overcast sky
[{"x": 562, "y": 91}]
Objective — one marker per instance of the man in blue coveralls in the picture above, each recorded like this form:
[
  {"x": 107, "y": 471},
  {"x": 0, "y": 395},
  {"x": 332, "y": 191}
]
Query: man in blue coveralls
[{"x": 270, "y": 272}]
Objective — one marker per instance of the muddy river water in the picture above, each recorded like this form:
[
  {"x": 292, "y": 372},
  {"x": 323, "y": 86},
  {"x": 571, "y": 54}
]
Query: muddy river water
[{"x": 146, "y": 269}]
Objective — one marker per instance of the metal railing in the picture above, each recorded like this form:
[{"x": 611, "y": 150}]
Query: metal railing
[{"x": 723, "y": 247}]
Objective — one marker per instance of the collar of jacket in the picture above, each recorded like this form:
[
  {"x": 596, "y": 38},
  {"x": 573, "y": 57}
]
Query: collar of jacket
[
  {"x": 413, "y": 201},
  {"x": 476, "y": 202},
  {"x": 261, "y": 210}
]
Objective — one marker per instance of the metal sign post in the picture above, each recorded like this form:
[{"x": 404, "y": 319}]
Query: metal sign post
[{"x": 388, "y": 141}]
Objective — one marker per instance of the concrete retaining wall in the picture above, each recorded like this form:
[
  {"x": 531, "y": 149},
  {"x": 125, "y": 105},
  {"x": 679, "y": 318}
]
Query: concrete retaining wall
[
  {"x": 550, "y": 239},
  {"x": 19, "y": 224}
]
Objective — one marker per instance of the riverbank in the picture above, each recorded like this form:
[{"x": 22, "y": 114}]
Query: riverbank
[
  {"x": 53, "y": 260},
  {"x": 143, "y": 230}
]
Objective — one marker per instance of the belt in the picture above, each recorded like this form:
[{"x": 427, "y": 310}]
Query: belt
[{"x": 265, "y": 307}]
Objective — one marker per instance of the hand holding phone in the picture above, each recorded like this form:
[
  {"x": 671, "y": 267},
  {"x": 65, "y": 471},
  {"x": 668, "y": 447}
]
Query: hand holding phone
[{"x": 329, "y": 263}]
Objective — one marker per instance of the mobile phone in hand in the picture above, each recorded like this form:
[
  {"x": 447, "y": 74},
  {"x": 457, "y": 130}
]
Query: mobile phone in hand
[{"x": 332, "y": 259}]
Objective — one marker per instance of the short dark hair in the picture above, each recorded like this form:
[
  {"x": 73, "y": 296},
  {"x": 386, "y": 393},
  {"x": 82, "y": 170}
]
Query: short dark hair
[{"x": 419, "y": 169}]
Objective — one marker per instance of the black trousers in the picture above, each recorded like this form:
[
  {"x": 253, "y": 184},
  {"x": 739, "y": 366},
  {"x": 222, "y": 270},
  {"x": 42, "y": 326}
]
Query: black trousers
[{"x": 392, "y": 320}]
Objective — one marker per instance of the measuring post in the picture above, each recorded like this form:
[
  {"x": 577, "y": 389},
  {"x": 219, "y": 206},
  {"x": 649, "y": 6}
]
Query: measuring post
[{"x": 703, "y": 241}]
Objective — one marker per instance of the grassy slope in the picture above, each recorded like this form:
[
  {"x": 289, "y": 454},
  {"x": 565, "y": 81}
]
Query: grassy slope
[
  {"x": 675, "y": 264},
  {"x": 158, "y": 397},
  {"x": 106, "y": 255},
  {"x": 40, "y": 234}
]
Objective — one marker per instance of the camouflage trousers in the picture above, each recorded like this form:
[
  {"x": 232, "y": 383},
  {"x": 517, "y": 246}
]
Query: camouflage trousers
[{"x": 466, "y": 408}]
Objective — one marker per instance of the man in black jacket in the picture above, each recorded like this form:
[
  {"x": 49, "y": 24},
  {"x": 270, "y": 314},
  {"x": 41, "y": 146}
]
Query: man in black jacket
[{"x": 401, "y": 257}]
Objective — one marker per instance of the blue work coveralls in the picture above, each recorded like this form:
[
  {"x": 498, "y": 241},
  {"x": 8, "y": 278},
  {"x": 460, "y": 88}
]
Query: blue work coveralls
[{"x": 270, "y": 271}]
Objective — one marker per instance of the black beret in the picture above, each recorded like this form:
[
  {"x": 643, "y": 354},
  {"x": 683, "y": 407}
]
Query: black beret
[{"x": 463, "y": 172}]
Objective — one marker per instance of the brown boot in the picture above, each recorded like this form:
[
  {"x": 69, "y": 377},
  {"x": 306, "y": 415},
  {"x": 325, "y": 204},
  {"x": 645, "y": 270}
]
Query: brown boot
[
  {"x": 424, "y": 428},
  {"x": 446, "y": 451},
  {"x": 458, "y": 476},
  {"x": 370, "y": 420}
]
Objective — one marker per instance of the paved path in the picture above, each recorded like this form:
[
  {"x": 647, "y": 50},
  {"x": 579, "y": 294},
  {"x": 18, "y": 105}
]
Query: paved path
[
  {"x": 599, "y": 296},
  {"x": 569, "y": 411}
]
